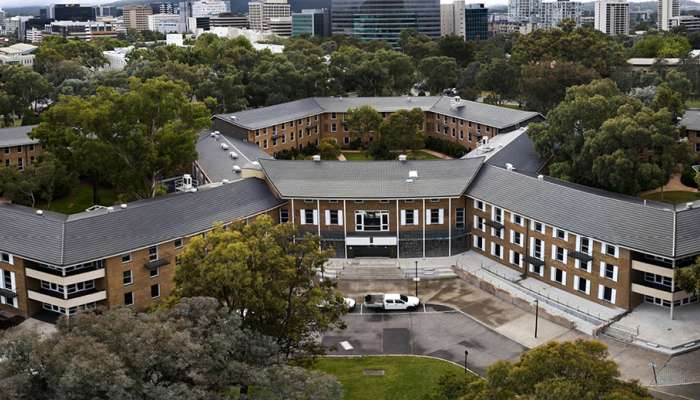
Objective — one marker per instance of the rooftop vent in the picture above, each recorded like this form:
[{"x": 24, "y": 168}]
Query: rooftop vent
[
  {"x": 39, "y": 212},
  {"x": 110, "y": 209},
  {"x": 224, "y": 146},
  {"x": 233, "y": 117},
  {"x": 233, "y": 155},
  {"x": 409, "y": 180},
  {"x": 689, "y": 204},
  {"x": 123, "y": 206},
  {"x": 456, "y": 102},
  {"x": 225, "y": 181},
  {"x": 236, "y": 169},
  {"x": 402, "y": 157},
  {"x": 510, "y": 167},
  {"x": 316, "y": 158},
  {"x": 213, "y": 134},
  {"x": 413, "y": 174},
  {"x": 540, "y": 177}
]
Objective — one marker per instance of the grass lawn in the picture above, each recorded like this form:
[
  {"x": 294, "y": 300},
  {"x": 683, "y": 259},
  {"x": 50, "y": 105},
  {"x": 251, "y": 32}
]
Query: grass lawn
[
  {"x": 673, "y": 197},
  {"x": 693, "y": 103},
  {"x": 80, "y": 198},
  {"x": 405, "y": 378},
  {"x": 412, "y": 155}
]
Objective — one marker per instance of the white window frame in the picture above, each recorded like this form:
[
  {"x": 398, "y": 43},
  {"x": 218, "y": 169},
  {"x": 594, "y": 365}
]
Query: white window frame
[
  {"x": 497, "y": 216},
  {"x": 603, "y": 269},
  {"x": 415, "y": 214},
  {"x": 12, "y": 302},
  {"x": 555, "y": 234},
  {"x": 513, "y": 217},
  {"x": 511, "y": 258},
  {"x": 555, "y": 254},
  {"x": 479, "y": 224},
  {"x": 302, "y": 217},
  {"x": 7, "y": 258},
  {"x": 328, "y": 217},
  {"x": 475, "y": 241},
  {"x": 601, "y": 294},
  {"x": 513, "y": 234},
  {"x": 493, "y": 250},
  {"x": 577, "y": 281},
  {"x": 131, "y": 278},
  {"x": 429, "y": 215},
  {"x": 533, "y": 223},
  {"x": 604, "y": 250},
  {"x": 476, "y": 205},
  {"x": 590, "y": 244},
  {"x": 553, "y": 275}
]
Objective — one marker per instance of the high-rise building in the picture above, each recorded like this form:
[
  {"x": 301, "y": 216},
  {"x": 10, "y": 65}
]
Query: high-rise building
[
  {"x": 229, "y": 20},
  {"x": 452, "y": 18},
  {"x": 612, "y": 17},
  {"x": 208, "y": 8},
  {"x": 476, "y": 22},
  {"x": 136, "y": 16},
  {"x": 554, "y": 12},
  {"x": 165, "y": 8},
  {"x": 689, "y": 22},
  {"x": 3, "y": 23},
  {"x": 385, "y": 19},
  {"x": 106, "y": 11},
  {"x": 665, "y": 10},
  {"x": 523, "y": 10},
  {"x": 281, "y": 26},
  {"x": 313, "y": 22},
  {"x": 260, "y": 12},
  {"x": 71, "y": 12},
  {"x": 165, "y": 23}
]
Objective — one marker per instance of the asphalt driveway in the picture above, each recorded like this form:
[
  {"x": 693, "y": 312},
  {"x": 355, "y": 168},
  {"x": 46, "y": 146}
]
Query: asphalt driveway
[{"x": 431, "y": 330}]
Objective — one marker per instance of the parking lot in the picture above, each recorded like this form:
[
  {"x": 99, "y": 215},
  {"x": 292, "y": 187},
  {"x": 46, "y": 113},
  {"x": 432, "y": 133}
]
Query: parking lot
[{"x": 431, "y": 330}]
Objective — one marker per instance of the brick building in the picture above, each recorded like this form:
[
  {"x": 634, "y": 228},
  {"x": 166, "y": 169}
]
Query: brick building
[{"x": 17, "y": 149}]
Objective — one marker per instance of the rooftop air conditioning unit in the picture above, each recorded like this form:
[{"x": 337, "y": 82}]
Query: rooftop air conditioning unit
[
  {"x": 236, "y": 169},
  {"x": 233, "y": 155},
  {"x": 316, "y": 158},
  {"x": 402, "y": 157},
  {"x": 224, "y": 146},
  {"x": 510, "y": 167},
  {"x": 413, "y": 174}
]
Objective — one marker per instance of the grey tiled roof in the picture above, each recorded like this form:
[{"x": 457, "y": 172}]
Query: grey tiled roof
[
  {"x": 688, "y": 231},
  {"x": 691, "y": 120},
  {"x": 621, "y": 220},
  {"x": 65, "y": 240},
  {"x": 16, "y": 136},
  {"x": 370, "y": 179},
  {"x": 499, "y": 117},
  {"x": 218, "y": 164},
  {"x": 514, "y": 148}
]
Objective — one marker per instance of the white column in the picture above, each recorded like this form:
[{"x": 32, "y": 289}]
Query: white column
[
  {"x": 673, "y": 284},
  {"x": 398, "y": 223},
  {"x": 294, "y": 238},
  {"x": 345, "y": 229},
  {"x": 318, "y": 220},
  {"x": 449, "y": 227},
  {"x": 293, "y": 213},
  {"x": 424, "y": 216}
]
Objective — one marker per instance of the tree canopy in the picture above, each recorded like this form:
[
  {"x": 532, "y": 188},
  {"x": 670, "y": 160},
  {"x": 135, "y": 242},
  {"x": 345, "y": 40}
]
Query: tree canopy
[
  {"x": 601, "y": 137},
  {"x": 131, "y": 139},
  {"x": 656, "y": 45},
  {"x": 362, "y": 121},
  {"x": 265, "y": 276},
  {"x": 195, "y": 350}
]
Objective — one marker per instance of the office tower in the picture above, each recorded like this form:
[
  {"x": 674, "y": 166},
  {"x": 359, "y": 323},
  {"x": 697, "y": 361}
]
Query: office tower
[
  {"x": 612, "y": 17},
  {"x": 260, "y": 12},
  {"x": 476, "y": 22},
  {"x": 452, "y": 18},
  {"x": 229, "y": 20},
  {"x": 71, "y": 12},
  {"x": 165, "y": 23},
  {"x": 554, "y": 12},
  {"x": 666, "y": 9},
  {"x": 281, "y": 26},
  {"x": 523, "y": 10},
  {"x": 136, "y": 16},
  {"x": 313, "y": 22},
  {"x": 385, "y": 19},
  {"x": 207, "y": 8}
]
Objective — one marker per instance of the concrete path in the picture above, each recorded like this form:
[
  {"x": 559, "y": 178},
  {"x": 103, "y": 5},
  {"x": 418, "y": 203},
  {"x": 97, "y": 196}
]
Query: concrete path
[
  {"x": 673, "y": 185},
  {"x": 437, "y": 154}
]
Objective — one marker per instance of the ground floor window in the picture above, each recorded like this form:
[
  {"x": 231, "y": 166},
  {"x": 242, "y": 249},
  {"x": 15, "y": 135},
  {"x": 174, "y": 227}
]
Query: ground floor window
[
  {"x": 537, "y": 269},
  {"x": 607, "y": 294},
  {"x": 372, "y": 221},
  {"x": 496, "y": 250},
  {"x": 582, "y": 284},
  {"x": 516, "y": 259},
  {"x": 284, "y": 215},
  {"x": 128, "y": 298},
  {"x": 558, "y": 276},
  {"x": 155, "y": 290},
  {"x": 479, "y": 242}
]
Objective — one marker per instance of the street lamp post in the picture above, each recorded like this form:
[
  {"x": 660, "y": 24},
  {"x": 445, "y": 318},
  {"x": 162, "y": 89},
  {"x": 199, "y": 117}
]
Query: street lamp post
[
  {"x": 466, "y": 353},
  {"x": 416, "y": 279},
  {"x": 537, "y": 313}
]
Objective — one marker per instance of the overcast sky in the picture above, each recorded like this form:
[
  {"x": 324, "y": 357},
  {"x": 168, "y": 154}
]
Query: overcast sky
[{"x": 22, "y": 3}]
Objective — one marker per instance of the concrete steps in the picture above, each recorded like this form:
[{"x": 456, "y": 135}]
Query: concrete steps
[
  {"x": 358, "y": 272},
  {"x": 437, "y": 272}
]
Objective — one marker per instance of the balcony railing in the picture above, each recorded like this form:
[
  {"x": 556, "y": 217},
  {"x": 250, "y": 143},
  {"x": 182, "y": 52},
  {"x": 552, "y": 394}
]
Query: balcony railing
[
  {"x": 162, "y": 260},
  {"x": 65, "y": 271},
  {"x": 65, "y": 296}
]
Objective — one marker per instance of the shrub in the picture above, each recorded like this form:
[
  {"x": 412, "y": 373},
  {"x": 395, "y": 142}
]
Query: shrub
[
  {"x": 445, "y": 147},
  {"x": 688, "y": 177}
]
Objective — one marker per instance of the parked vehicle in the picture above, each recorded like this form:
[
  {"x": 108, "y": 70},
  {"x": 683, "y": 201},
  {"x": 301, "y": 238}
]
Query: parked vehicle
[
  {"x": 391, "y": 301},
  {"x": 349, "y": 303}
]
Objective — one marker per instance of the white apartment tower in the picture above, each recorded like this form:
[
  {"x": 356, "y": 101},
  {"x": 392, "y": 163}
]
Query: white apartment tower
[
  {"x": 523, "y": 10},
  {"x": 206, "y": 8},
  {"x": 554, "y": 12},
  {"x": 261, "y": 11},
  {"x": 667, "y": 9},
  {"x": 452, "y": 19},
  {"x": 612, "y": 17}
]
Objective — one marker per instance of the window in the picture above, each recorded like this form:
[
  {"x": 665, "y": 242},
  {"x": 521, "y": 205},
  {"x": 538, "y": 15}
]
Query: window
[
  {"x": 560, "y": 234},
  {"x": 334, "y": 217},
  {"x": 584, "y": 265},
  {"x": 537, "y": 269},
  {"x": 7, "y": 258},
  {"x": 80, "y": 286},
  {"x": 497, "y": 232},
  {"x": 558, "y": 276},
  {"x": 434, "y": 216},
  {"x": 127, "y": 277},
  {"x": 178, "y": 243},
  {"x": 479, "y": 223},
  {"x": 607, "y": 294},
  {"x": 372, "y": 221},
  {"x": 152, "y": 253},
  {"x": 334, "y": 128},
  {"x": 516, "y": 238},
  {"x": 20, "y": 163},
  {"x": 516, "y": 259},
  {"x": 658, "y": 279},
  {"x": 582, "y": 285},
  {"x": 128, "y": 298},
  {"x": 610, "y": 250},
  {"x": 52, "y": 286},
  {"x": 559, "y": 253},
  {"x": 536, "y": 249},
  {"x": 517, "y": 219},
  {"x": 497, "y": 214},
  {"x": 284, "y": 215},
  {"x": 583, "y": 245},
  {"x": 308, "y": 217},
  {"x": 333, "y": 115},
  {"x": 409, "y": 217},
  {"x": 608, "y": 271},
  {"x": 496, "y": 250},
  {"x": 346, "y": 140},
  {"x": 538, "y": 226},
  {"x": 479, "y": 205},
  {"x": 154, "y": 272},
  {"x": 459, "y": 218},
  {"x": 479, "y": 242},
  {"x": 155, "y": 290}
]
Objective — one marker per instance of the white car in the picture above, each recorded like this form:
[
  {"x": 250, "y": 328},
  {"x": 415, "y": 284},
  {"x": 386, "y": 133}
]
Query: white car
[{"x": 349, "y": 303}]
